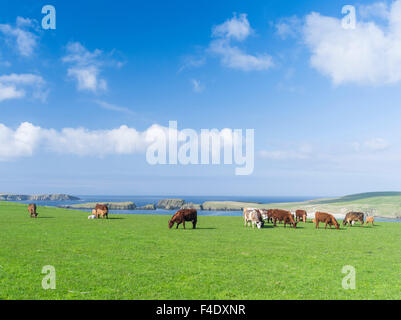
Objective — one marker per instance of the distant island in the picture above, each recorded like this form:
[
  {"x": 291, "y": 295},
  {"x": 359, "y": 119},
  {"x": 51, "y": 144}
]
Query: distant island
[
  {"x": 37, "y": 197},
  {"x": 379, "y": 204}
]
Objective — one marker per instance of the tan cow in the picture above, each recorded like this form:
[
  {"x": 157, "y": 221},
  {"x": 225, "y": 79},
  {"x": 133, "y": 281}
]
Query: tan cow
[
  {"x": 32, "y": 210},
  {"x": 370, "y": 219},
  {"x": 101, "y": 211}
]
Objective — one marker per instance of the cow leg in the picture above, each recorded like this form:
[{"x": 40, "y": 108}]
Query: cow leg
[
  {"x": 325, "y": 226},
  {"x": 183, "y": 223},
  {"x": 178, "y": 223},
  {"x": 194, "y": 224},
  {"x": 317, "y": 224}
]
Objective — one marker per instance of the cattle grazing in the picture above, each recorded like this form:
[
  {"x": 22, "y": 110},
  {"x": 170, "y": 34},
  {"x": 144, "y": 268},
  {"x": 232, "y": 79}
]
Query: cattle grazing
[
  {"x": 32, "y": 210},
  {"x": 254, "y": 217},
  {"x": 101, "y": 211},
  {"x": 301, "y": 214},
  {"x": 370, "y": 219},
  {"x": 283, "y": 215},
  {"x": 351, "y": 217},
  {"x": 184, "y": 215},
  {"x": 326, "y": 218}
]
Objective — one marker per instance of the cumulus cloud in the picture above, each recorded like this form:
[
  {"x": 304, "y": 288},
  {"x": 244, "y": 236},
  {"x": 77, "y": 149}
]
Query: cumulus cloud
[
  {"x": 369, "y": 54},
  {"x": 20, "y": 142},
  {"x": 237, "y": 29},
  {"x": 28, "y": 138},
  {"x": 22, "y": 36},
  {"x": 15, "y": 86},
  {"x": 375, "y": 10},
  {"x": 85, "y": 67}
]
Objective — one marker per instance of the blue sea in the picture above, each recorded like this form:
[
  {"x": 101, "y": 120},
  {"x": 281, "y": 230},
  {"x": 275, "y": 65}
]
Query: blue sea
[{"x": 144, "y": 200}]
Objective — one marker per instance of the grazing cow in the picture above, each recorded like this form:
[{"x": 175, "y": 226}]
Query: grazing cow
[
  {"x": 283, "y": 215},
  {"x": 101, "y": 211},
  {"x": 327, "y": 218},
  {"x": 253, "y": 216},
  {"x": 351, "y": 217},
  {"x": 266, "y": 213},
  {"x": 32, "y": 210},
  {"x": 301, "y": 214},
  {"x": 370, "y": 219},
  {"x": 184, "y": 215}
]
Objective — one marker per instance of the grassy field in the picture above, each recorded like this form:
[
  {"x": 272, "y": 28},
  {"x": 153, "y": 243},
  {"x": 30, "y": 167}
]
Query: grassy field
[{"x": 137, "y": 257}]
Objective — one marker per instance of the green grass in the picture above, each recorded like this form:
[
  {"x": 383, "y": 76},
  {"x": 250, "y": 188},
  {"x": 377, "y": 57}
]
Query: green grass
[{"x": 137, "y": 257}]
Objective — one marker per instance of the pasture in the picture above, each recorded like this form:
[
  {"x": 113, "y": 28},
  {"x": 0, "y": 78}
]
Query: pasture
[{"x": 137, "y": 257}]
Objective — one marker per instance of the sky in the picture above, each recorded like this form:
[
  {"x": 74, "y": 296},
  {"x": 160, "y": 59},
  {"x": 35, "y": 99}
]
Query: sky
[{"x": 81, "y": 103}]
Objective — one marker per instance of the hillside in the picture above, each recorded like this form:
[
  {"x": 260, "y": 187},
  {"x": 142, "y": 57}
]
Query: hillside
[{"x": 379, "y": 204}]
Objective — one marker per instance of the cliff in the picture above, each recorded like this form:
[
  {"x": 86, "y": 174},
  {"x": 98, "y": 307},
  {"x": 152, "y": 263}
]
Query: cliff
[{"x": 170, "y": 204}]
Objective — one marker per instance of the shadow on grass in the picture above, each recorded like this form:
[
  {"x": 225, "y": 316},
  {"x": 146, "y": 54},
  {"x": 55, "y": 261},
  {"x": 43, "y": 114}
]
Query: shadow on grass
[{"x": 45, "y": 218}]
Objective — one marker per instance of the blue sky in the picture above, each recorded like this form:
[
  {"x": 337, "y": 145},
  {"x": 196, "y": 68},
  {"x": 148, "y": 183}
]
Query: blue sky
[{"x": 323, "y": 101}]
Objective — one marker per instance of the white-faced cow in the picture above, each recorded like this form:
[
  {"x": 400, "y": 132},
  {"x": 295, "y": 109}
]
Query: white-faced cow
[{"x": 254, "y": 217}]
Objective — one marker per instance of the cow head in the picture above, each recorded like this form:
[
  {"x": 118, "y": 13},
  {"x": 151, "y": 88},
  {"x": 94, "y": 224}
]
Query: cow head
[
  {"x": 260, "y": 224},
  {"x": 336, "y": 224},
  {"x": 170, "y": 224}
]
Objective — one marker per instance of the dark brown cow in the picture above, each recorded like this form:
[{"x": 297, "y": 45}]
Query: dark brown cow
[
  {"x": 283, "y": 215},
  {"x": 102, "y": 211},
  {"x": 327, "y": 218},
  {"x": 184, "y": 215},
  {"x": 301, "y": 214},
  {"x": 32, "y": 210},
  {"x": 353, "y": 216}
]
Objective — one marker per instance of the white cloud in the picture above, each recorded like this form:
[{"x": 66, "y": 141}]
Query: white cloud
[
  {"x": 369, "y": 54},
  {"x": 289, "y": 27},
  {"x": 21, "y": 35},
  {"x": 15, "y": 86},
  {"x": 85, "y": 67},
  {"x": 20, "y": 142},
  {"x": 28, "y": 138},
  {"x": 112, "y": 107},
  {"x": 377, "y": 9},
  {"x": 237, "y": 28}
]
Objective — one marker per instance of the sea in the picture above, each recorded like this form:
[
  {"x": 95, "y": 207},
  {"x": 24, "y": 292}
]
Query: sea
[{"x": 144, "y": 200}]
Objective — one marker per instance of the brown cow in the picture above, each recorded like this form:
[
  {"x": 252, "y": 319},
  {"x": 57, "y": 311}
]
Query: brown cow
[
  {"x": 32, "y": 210},
  {"x": 327, "y": 218},
  {"x": 350, "y": 217},
  {"x": 184, "y": 215},
  {"x": 283, "y": 215},
  {"x": 101, "y": 211},
  {"x": 301, "y": 214},
  {"x": 370, "y": 219}
]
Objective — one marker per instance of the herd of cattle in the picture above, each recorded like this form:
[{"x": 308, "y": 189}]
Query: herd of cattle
[
  {"x": 257, "y": 217},
  {"x": 252, "y": 216}
]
